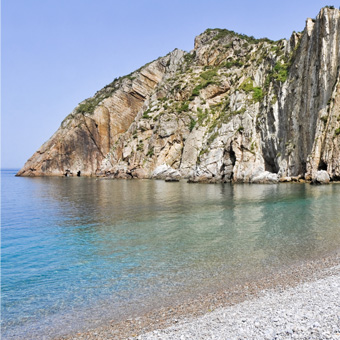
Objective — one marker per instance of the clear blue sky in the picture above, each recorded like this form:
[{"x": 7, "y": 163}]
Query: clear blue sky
[{"x": 55, "y": 53}]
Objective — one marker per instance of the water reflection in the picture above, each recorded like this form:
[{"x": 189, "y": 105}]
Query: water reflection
[
  {"x": 159, "y": 220},
  {"x": 78, "y": 242}
]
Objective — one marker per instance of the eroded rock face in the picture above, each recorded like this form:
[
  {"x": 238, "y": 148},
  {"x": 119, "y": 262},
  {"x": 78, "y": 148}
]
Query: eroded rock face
[
  {"x": 87, "y": 135},
  {"x": 233, "y": 109}
]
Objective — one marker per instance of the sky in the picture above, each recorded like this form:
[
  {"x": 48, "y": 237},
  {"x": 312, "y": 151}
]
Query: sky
[{"x": 56, "y": 53}]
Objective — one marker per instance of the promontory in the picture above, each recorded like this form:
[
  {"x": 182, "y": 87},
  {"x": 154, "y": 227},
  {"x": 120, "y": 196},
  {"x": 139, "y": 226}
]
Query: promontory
[{"x": 235, "y": 108}]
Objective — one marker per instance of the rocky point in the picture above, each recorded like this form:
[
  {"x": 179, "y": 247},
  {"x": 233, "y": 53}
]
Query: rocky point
[{"x": 235, "y": 108}]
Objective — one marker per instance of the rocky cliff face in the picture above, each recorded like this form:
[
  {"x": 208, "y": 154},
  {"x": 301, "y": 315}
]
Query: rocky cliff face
[{"x": 235, "y": 108}]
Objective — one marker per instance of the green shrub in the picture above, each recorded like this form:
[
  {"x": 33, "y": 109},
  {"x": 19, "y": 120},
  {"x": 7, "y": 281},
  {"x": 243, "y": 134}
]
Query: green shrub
[
  {"x": 221, "y": 34},
  {"x": 151, "y": 152},
  {"x": 89, "y": 105},
  {"x": 240, "y": 111},
  {"x": 202, "y": 116},
  {"x": 213, "y": 125},
  {"x": 232, "y": 63},
  {"x": 203, "y": 151},
  {"x": 212, "y": 138},
  {"x": 140, "y": 146},
  {"x": 268, "y": 80},
  {"x": 67, "y": 118},
  {"x": 224, "y": 32},
  {"x": 146, "y": 114},
  {"x": 258, "y": 94},
  {"x": 188, "y": 58},
  {"x": 337, "y": 132},
  {"x": 247, "y": 85},
  {"x": 198, "y": 88},
  {"x": 209, "y": 75},
  {"x": 280, "y": 71},
  {"x": 192, "y": 124},
  {"x": 184, "y": 107}
]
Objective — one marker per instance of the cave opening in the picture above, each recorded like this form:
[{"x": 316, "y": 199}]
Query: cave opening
[
  {"x": 78, "y": 173},
  {"x": 232, "y": 156},
  {"x": 322, "y": 165},
  {"x": 270, "y": 165}
]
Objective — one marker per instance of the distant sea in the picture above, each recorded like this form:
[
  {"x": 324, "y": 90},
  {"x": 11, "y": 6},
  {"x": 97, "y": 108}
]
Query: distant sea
[{"x": 79, "y": 251}]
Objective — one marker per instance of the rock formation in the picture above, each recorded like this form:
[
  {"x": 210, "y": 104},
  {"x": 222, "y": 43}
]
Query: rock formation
[{"x": 235, "y": 108}]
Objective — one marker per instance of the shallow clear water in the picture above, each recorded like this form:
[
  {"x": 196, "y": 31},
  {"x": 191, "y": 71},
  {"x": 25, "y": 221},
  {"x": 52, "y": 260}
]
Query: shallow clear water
[{"x": 77, "y": 251}]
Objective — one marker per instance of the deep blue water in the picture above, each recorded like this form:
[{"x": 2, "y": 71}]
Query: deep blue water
[{"x": 78, "y": 251}]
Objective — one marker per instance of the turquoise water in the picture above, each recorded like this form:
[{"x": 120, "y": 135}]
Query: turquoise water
[{"x": 78, "y": 251}]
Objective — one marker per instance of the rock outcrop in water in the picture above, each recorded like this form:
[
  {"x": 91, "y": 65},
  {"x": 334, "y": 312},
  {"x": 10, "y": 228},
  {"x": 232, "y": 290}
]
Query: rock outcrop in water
[{"x": 235, "y": 108}]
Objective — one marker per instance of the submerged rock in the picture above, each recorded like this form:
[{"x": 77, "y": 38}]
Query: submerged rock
[
  {"x": 235, "y": 108},
  {"x": 171, "y": 179}
]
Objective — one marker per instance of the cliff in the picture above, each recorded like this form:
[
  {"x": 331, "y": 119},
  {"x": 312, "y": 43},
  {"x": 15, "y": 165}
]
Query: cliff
[{"x": 235, "y": 108}]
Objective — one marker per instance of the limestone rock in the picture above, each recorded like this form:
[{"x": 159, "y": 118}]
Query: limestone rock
[
  {"x": 235, "y": 108},
  {"x": 321, "y": 177},
  {"x": 165, "y": 172},
  {"x": 265, "y": 177},
  {"x": 285, "y": 179}
]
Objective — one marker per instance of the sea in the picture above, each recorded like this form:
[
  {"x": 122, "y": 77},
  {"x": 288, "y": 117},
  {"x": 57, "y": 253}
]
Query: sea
[{"x": 77, "y": 252}]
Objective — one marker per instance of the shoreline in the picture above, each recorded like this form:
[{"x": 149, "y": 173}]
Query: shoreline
[
  {"x": 203, "y": 305},
  {"x": 192, "y": 180},
  {"x": 307, "y": 311}
]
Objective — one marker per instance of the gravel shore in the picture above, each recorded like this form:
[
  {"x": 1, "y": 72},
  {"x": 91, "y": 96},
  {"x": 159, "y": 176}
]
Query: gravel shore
[
  {"x": 299, "y": 302},
  {"x": 307, "y": 311}
]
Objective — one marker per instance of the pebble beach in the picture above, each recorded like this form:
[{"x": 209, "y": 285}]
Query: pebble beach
[
  {"x": 296, "y": 303},
  {"x": 308, "y": 311}
]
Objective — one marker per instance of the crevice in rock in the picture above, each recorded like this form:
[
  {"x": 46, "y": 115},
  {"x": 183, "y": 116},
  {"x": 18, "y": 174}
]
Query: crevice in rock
[
  {"x": 232, "y": 157},
  {"x": 271, "y": 121},
  {"x": 93, "y": 139},
  {"x": 137, "y": 95},
  {"x": 181, "y": 156},
  {"x": 322, "y": 165},
  {"x": 270, "y": 165},
  {"x": 153, "y": 81}
]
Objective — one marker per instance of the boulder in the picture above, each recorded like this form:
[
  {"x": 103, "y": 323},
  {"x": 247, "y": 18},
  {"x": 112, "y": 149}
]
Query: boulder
[
  {"x": 265, "y": 177},
  {"x": 165, "y": 171},
  {"x": 321, "y": 177}
]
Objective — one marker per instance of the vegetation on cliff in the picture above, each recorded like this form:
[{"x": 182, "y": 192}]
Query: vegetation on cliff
[{"x": 234, "y": 108}]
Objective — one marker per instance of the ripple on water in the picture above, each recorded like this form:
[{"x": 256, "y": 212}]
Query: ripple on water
[{"x": 77, "y": 251}]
